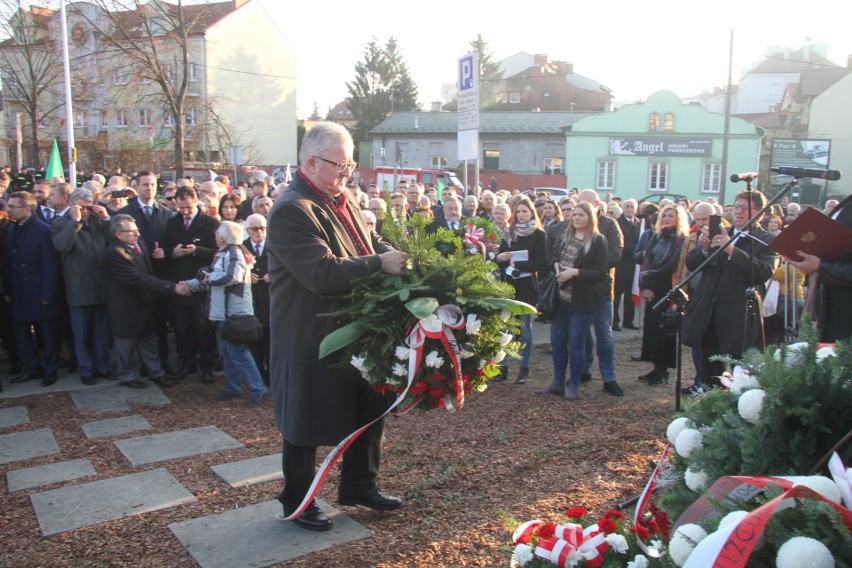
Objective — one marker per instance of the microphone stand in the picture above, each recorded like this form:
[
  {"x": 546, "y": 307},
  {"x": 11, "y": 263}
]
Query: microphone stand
[{"x": 677, "y": 290}]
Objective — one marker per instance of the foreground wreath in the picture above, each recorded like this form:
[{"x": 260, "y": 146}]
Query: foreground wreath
[{"x": 434, "y": 334}]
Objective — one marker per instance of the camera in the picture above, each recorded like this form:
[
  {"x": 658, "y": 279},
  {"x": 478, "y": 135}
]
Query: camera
[
  {"x": 513, "y": 272},
  {"x": 203, "y": 272},
  {"x": 118, "y": 193}
]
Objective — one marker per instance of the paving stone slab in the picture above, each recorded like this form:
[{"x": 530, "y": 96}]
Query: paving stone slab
[
  {"x": 70, "y": 508},
  {"x": 251, "y": 471},
  {"x": 21, "y": 479},
  {"x": 252, "y": 536},
  {"x": 27, "y": 445},
  {"x": 14, "y": 416},
  {"x": 115, "y": 398},
  {"x": 179, "y": 444},
  {"x": 116, "y": 426}
]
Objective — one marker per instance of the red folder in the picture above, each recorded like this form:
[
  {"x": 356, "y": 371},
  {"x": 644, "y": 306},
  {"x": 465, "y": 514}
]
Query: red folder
[{"x": 814, "y": 233}]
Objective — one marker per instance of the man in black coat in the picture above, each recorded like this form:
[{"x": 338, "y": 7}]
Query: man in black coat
[
  {"x": 629, "y": 225},
  {"x": 719, "y": 314},
  {"x": 256, "y": 244},
  {"x": 188, "y": 244},
  {"x": 130, "y": 290},
  {"x": 318, "y": 244}
]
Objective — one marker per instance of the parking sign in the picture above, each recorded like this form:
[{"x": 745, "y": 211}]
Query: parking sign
[{"x": 468, "y": 99}]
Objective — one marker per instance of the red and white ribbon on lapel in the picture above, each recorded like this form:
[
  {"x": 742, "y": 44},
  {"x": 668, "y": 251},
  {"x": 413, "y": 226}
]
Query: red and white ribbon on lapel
[
  {"x": 439, "y": 325},
  {"x": 473, "y": 238}
]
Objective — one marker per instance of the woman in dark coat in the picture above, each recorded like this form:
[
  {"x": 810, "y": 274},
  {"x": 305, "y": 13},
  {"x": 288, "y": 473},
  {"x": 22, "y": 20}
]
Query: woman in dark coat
[
  {"x": 659, "y": 262},
  {"x": 525, "y": 238}
]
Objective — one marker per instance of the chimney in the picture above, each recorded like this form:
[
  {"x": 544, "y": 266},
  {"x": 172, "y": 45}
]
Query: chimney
[
  {"x": 849, "y": 61},
  {"x": 436, "y": 106},
  {"x": 540, "y": 59}
]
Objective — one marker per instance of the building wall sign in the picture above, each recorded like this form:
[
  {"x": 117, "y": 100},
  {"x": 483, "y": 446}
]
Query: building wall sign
[{"x": 659, "y": 147}]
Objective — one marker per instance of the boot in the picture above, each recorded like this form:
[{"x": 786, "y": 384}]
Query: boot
[
  {"x": 522, "y": 376},
  {"x": 553, "y": 388},
  {"x": 572, "y": 392},
  {"x": 504, "y": 371}
]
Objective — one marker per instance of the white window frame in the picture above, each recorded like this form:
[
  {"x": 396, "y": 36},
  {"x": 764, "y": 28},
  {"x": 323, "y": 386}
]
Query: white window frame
[
  {"x": 554, "y": 166},
  {"x": 104, "y": 119},
  {"x": 81, "y": 119},
  {"x": 514, "y": 98},
  {"x": 169, "y": 119},
  {"x": 658, "y": 176},
  {"x": 189, "y": 117},
  {"x": 119, "y": 75},
  {"x": 711, "y": 178},
  {"x": 121, "y": 119},
  {"x": 193, "y": 72},
  {"x": 605, "y": 178},
  {"x": 439, "y": 162},
  {"x": 144, "y": 117}
]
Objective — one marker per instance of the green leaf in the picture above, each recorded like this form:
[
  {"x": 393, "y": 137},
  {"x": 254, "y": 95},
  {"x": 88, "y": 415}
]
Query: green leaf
[
  {"x": 514, "y": 306},
  {"x": 404, "y": 294},
  {"x": 422, "y": 307},
  {"x": 340, "y": 338}
]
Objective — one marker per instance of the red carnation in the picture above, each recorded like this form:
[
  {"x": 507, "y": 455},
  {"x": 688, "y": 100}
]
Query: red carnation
[
  {"x": 663, "y": 523},
  {"x": 418, "y": 388},
  {"x": 641, "y": 531},
  {"x": 576, "y": 513},
  {"x": 436, "y": 392},
  {"x": 438, "y": 404},
  {"x": 607, "y": 526},
  {"x": 613, "y": 514},
  {"x": 545, "y": 530}
]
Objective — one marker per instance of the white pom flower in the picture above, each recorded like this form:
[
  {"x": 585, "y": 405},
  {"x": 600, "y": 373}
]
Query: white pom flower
[
  {"x": 358, "y": 363},
  {"x": 750, "y": 405},
  {"x": 657, "y": 545},
  {"x": 794, "y": 354},
  {"x": 505, "y": 314},
  {"x": 465, "y": 354},
  {"x": 695, "y": 479},
  {"x": 683, "y": 542},
  {"x": 499, "y": 356},
  {"x": 638, "y": 561},
  {"x": 743, "y": 384},
  {"x": 505, "y": 339},
  {"x": 472, "y": 324},
  {"x": 402, "y": 353},
  {"x": 522, "y": 555},
  {"x": 617, "y": 542},
  {"x": 434, "y": 360},
  {"x": 804, "y": 552},
  {"x": 400, "y": 370},
  {"x": 824, "y": 353},
  {"x": 676, "y": 427},
  {"x": 820, "y": 484},
  {"x": 688, "y": 441},
  {"x": 732, "y": 517}
]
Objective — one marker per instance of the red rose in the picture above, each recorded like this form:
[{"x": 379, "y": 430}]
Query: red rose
[
  {"x": 438, "y": 404},
  {"x": 418, "y": 388},
  {"x": 545, "y": 530},
  {"x": 607, "y": 526},
  {"x": 613, "y": 514},
  {"x": 576, "y": 513},
  {"x": 641, "y": 531},
  {"x": 436, "y": 392},
  {"x": 663, "y": 523}
]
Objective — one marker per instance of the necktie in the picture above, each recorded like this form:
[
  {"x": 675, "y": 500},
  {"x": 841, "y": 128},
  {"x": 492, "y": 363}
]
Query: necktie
[
  {"x": 137, "y": 249},
  {"x": 147, "y": 212},
  {"x": 48, "y": 214},
  {"x": 452, "y": 226},
  {"x": 186, "y": 223},
  {"x": 256, "y": 250}
]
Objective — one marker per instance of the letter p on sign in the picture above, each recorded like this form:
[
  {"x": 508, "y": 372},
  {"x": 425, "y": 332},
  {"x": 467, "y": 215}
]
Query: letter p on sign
[{"x": 466, "y": 73}]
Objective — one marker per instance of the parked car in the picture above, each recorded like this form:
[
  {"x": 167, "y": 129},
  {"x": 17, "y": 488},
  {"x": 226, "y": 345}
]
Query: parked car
[
  {"x": 655, "y": 198},
  {"x": 556, "y": 192}
]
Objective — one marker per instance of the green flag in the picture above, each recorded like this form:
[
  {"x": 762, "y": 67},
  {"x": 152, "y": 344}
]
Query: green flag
[
  {"x": 54, "y": 166},
  {"x": 440, "y": 184}
]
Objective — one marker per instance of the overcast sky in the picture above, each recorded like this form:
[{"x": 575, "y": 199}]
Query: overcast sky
[{"x": 634, "y": 48}]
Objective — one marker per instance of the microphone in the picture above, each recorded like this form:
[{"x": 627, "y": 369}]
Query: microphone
[
  {"x": 831, "y": 175},
  {"x": 751, "y": 176}
]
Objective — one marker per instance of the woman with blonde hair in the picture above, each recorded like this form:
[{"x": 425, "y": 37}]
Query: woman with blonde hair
[
  {"x": 579, "y": 260},
  {"x": 502, "y": 216},
  {"x": 655, "y": 280}
]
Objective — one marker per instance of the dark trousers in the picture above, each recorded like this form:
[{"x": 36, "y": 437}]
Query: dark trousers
[
  {"x": 260, "y": 354},
  {"x": 27, "y": 345},
  {"x": 624, "y": 288},
  {"x": 711, "y": 370},
  {"x": 197, "y": 340}
]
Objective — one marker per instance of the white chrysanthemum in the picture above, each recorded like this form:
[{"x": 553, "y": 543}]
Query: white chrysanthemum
[
  {"x": 465, "y": 354},
  {"x": 695, "y": 479},
  {"x": 522, "y": 555},
  {"x": 794, "y": 354},
  {"x": 732, "y": 517},
  {"x": 658, "y": 545},
  {"x": 505, "y": 339},
  {"x": 505, "y": 314},
  {"x": 824, "y": 353},
  {"x": 472, "y": 324},
  {"x": 499, "y": 356},
  {"x": 822, "y": 485},
  {"x": 750, "y": 405},
  {"x": 676, "y": 427},
  {"x": 744, "y": 383},
  {"x": 433, "y": 322},
  {"x": 804, "y": 552},
  {"x": 434, "y": 360},
  {"x": 402, "y": 352},
  {"x": 400, "y": 370},
  {"x": 618, "y": 543},
  {"x": 391, "y": 381},
  {"x": 358, "y": 363},
  {"x": 683, "y": 542},
  {"x": 688, "y": 441},
  {"x": 638, "y": 561}
]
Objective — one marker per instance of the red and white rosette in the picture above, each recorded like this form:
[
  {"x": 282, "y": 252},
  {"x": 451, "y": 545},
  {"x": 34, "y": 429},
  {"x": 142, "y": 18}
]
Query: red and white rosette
[
  {"x": 570, "y": 540},
  {"x": 473, "y": 236},
  {"x": 440, "y": 325}
]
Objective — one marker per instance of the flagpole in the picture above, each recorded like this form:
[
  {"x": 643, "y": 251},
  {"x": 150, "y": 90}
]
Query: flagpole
[{"x": 69, "y": 111}]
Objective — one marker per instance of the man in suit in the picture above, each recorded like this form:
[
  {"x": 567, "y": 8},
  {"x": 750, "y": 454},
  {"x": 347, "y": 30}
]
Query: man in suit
[
  {"x": 258, "y": 189},
  {"x": 32, "y": 275},
  {"x": 452, "y": 217},
  {"x": 256, "y": 244},
  {"x": 41, "y": 189},
  {"x": 81, "y": 237},
  {"x": 318, "y": 244},
  {"x": 724, "y": 317},
  {"x": 188, "y": 244},
  {"x": 151, "y": 218},
  {"x": 629, "y": 225},
  {"x": 130, "y": 290}
]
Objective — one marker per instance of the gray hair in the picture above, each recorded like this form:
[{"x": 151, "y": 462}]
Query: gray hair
[
  {"x": 231, "y": 233},
  {"x": 255, "y": 218},
  {"x": 93, "y": 186},
  {"x": 119, "y": 222},
  {"x": 321, "y": 137},
  {"x": 82, "y": 194}
]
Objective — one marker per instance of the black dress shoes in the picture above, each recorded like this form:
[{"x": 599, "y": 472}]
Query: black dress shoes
[
  {"x": 631, "y": 326},
  {"x": 183, "y": 372},
  {"x": 108, "y": 376},
  {"x": 207, "y": 378},
  {"x": 311, "y": 519},
  {"x": 616, "y": 327},
  {"x": 49, "y": 379},
  {"x": 372, "y": 498},
  {"x": 163, "y": 381},
  {"x": 133, "y": 384},
  {"x": 88, "y": 380},
  {"x": 26, "y": 376}
]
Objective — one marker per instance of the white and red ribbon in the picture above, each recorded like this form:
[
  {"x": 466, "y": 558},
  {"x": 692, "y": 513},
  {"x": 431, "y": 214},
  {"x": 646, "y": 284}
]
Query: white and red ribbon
[
  {"x": 570, "y": 540},
  {"x": 473, "y": 238},
  {"x": 645, "y": 497}
]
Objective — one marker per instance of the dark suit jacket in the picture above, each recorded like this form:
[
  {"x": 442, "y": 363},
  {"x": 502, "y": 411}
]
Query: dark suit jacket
[
  {"x": 82, "y": 249},
  {"x": 202, "y": 229},
  {"x": 150, "y": 231},
  {"x": 312, "y": 262},
  {"x": 721, "y": 298},
  {"x": 31, "y": 272},
  {"x": 260, "y": 290},
  {"x": 130, "y": 291},
  {"x": 40, "y": 214},
  {"x": 630, "y": 232}
]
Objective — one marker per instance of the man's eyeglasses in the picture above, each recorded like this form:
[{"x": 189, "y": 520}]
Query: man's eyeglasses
[
  {"x": 134, "y": 231},
  {"x": 170, "y": 198},
  {"x": 256, "y": 228},
  {"x": 342, "y": 167}
]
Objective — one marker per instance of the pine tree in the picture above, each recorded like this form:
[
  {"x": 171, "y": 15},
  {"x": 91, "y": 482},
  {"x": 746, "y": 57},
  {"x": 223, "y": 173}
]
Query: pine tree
[
  {"x": 489, "y": 73},
  {"x": 315, "y": 115}
]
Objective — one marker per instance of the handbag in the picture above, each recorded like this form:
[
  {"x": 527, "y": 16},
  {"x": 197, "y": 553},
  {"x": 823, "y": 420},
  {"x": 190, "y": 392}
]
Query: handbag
[
  {"x": 244, "y": 328},
  {"x": 770, "y": 299},
  {"x": 548, "y": 293}
]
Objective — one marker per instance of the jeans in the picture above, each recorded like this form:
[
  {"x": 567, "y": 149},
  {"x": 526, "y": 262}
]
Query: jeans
[
  {"x": 92, "y": 338},
  {"x": 602, "y": 320},
  {"x": 526, "y": 338},
  {"x": 239, "y": 364},
  {"x": 569, "y": 329}
]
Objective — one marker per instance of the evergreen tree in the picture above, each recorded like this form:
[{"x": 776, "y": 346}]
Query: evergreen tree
[
  {"x": 315, "y": 115},
  {"x": 489, "y": 73},
  {"x": 381, "y": 86}
]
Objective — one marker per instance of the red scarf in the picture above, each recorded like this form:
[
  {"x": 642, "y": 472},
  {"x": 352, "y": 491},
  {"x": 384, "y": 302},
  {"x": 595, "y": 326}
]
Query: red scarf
[{"x": 338, "y": 207}]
